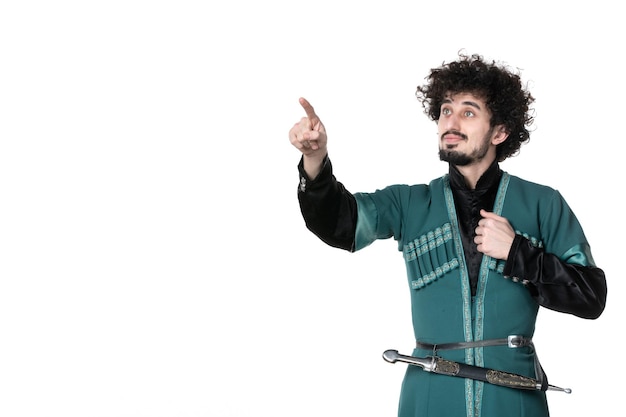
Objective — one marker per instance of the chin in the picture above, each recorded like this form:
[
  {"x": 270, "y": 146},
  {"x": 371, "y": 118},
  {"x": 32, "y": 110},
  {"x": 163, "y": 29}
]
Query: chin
[{"x": 453, "y": 157}]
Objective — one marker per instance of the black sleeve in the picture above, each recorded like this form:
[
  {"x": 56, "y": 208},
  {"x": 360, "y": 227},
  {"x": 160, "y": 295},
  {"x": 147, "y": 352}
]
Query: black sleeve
[
  {"x": 568, "y": 288},
  {"x": 329, "y": 210}
]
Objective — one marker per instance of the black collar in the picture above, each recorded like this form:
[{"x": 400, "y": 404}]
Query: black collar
[{"x": 490, "y": 177}]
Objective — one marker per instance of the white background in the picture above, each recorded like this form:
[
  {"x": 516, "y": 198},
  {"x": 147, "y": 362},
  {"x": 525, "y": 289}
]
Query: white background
[{"x": 153, "y": 261}]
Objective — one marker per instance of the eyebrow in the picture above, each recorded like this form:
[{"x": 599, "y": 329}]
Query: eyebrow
[{"x": 465, "y": 103}]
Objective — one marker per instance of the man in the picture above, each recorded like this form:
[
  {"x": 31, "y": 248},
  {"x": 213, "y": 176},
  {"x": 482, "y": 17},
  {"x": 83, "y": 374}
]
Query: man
[{"x": 483, "y": 249}]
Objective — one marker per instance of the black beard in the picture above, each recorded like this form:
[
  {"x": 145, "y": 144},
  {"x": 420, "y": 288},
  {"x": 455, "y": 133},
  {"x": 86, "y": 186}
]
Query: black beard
[
  {"x": 461, "y": 159},
  {"x": 455, "y": 158}
]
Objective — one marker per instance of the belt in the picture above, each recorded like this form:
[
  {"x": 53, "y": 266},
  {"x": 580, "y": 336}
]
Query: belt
[{"x": 512, "y": 341}]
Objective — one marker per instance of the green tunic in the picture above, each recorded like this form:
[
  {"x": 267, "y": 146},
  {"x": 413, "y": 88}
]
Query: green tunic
[{"x": 422, "y": 219}]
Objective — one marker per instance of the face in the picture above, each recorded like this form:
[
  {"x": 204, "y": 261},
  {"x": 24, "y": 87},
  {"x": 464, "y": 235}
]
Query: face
[{"x": 465, "y": 134}]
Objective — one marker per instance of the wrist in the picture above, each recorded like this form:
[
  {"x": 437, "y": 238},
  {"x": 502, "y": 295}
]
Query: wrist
[{"x": 313, "y": 164}]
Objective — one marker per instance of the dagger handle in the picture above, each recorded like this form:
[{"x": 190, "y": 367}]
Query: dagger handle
[{"x": 491, "y": 376}]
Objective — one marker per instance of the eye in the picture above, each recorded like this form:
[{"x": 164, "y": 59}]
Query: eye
[
  {"x": 445, "y": 111},
  {"x": 468, "y": 113}
]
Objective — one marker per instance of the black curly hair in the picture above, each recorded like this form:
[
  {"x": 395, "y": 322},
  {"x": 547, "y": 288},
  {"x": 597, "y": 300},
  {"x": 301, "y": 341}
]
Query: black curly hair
[{"x": 502, "y": 90}]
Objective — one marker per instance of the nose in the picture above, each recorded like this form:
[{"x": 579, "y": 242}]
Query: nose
[{"x": 448, "y": 122}]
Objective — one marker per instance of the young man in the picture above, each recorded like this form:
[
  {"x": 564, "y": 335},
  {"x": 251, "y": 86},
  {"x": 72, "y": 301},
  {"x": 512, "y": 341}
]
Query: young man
[{"x": 483, "y": 249}]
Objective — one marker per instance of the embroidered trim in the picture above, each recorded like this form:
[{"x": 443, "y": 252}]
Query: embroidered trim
[
  {"x": 427, "y": 242},
  {"x": 488, "y": 263},
  {"x": 496, "y": 265},
  {"x": 533, "y": 240},
  {"x": 467, "y": 305},
  {"x": 430, "y": 256},
  {"x": 434, "y": 275}
]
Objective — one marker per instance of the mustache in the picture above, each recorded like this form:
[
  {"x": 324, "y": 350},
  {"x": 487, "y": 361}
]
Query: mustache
[{"x": 454, "y": 132}]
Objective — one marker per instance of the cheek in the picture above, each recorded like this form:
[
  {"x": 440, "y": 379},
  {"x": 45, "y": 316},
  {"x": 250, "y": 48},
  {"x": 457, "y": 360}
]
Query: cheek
[{"x": 440, "y": 128}]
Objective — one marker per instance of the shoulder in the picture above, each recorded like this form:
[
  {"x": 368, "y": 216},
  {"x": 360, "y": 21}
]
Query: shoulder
[
  {"x": 403, "y": 196},
  {"x": 410, "y": 190},
  {"x": 523, "y": 196},
  {"x": 529, "y": 188},
  {"x": 514, "y": 179}
]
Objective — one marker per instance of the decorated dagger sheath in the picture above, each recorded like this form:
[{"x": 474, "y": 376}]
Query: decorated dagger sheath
[{"x": 445, "y": 367}]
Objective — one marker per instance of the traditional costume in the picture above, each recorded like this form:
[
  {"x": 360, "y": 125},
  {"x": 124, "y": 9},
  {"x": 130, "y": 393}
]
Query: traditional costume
[{"x": 466, "y": 306}]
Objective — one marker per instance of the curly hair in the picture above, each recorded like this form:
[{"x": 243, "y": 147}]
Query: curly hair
[{"x": 508, "y": 102}]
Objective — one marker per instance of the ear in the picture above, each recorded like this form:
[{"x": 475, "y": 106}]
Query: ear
[{"x": 500, "y": 135}]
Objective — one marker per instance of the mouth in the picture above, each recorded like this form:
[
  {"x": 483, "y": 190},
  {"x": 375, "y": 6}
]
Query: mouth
[{"x": 453, "y": 136}]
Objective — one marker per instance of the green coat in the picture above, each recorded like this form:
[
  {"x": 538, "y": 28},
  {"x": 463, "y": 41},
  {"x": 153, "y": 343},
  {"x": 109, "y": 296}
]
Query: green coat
[{"x": 422, "y": 219}]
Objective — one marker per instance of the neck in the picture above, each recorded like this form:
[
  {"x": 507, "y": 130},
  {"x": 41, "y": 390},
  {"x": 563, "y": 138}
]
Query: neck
[{"x": 474, "y": 171}]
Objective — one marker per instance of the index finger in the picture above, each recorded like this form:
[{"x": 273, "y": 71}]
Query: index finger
[{"x": 310, "y": 111}]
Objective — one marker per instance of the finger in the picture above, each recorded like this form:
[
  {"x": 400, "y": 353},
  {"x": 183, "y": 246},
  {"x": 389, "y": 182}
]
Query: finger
[
  {"x": 310, "y": 111},
  {"x": 296, "y": 137},
  {"x": 489, "y": 215},
  {"x": 311, "y": 135},
  {"x": 301, "y": 144},
  {"x": 295, "y": 134},
  {"x": 298, "y": 129},
  {"x": 304, "y": 139}
]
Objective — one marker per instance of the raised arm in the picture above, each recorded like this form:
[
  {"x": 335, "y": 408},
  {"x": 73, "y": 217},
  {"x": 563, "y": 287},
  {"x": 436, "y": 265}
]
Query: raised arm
[{"x": 328, "y": 209}]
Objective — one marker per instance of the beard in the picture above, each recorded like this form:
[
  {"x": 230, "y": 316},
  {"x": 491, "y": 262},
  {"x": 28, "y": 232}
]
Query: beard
[{"x": 463, "y": 159}]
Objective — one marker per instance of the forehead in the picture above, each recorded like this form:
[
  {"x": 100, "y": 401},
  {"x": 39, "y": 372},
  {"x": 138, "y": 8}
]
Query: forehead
[{"x": 465, "y": 98}]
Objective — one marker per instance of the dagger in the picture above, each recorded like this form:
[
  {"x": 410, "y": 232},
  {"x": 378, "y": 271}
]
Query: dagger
[{"x": 445, "y": 367}]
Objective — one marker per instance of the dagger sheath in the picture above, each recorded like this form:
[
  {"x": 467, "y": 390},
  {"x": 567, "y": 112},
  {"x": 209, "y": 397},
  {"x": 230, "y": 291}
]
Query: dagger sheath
[
  {"x": 445, "y": 367},
  {"x": 505, "y": 379}
]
